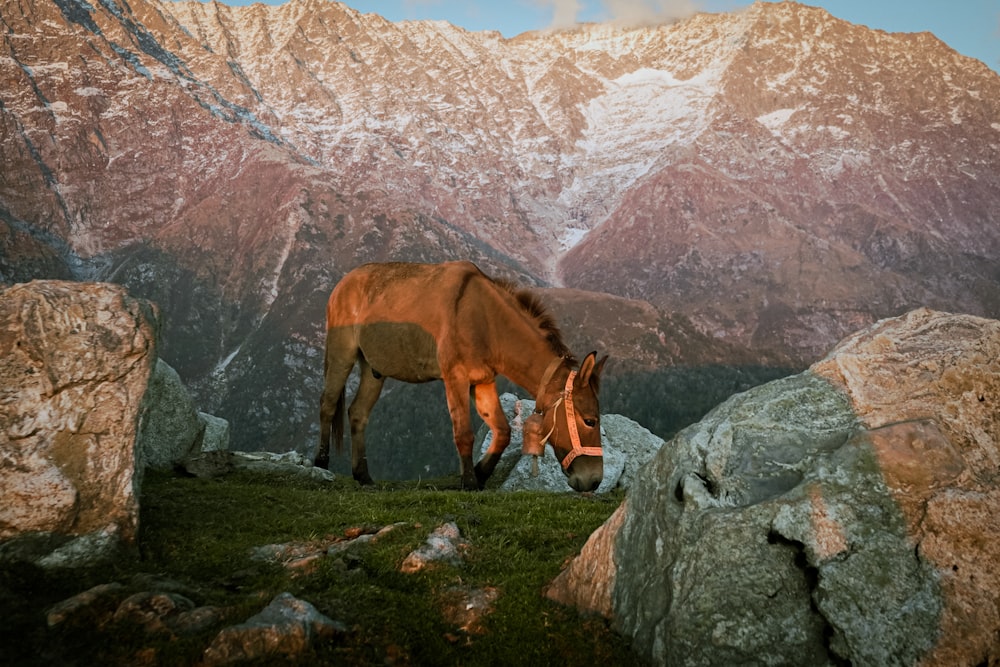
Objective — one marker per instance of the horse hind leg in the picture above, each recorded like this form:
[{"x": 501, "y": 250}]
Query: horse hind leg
[
  {"x": 340, "y": 357},
  {"x": 369, "y": 390}
]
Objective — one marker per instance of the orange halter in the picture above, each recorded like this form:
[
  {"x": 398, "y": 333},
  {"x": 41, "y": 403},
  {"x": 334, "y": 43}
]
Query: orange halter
[{"x": 574, "y": 433}]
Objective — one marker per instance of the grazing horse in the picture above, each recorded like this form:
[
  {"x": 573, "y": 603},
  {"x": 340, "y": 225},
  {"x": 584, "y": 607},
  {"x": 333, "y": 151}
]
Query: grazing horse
[{"x": 422, "y": 322}]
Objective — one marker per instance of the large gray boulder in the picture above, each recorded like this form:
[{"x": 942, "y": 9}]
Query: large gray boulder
[
  {"x": 75, "y": 362},
  {"x": 847, "y": 514},
  {"x": 172, "y": 429},
  {"x": 627, "y": 446}
]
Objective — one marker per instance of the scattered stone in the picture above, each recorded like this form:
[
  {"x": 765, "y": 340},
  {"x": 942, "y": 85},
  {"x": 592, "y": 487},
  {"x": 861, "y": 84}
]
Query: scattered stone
[
  {"x": 156, "y": 611},
  {"x": 97, "y": 546},
  {"x": 303, "y": 555},
  {"x": 445, "y": 545},
  {"x": 209, "y": 465},
  {"x": 196, "y": 621},
  {"x": 287, "y": 628},
  {"x": 153, "y": 611},
  {"x": 217, "y": 463},
  {"x": 104, "y": 595},
  {"x": 358, "y": 536},
  {"x": 465, "y": 608},
  {"x": 288, "y": 463}
]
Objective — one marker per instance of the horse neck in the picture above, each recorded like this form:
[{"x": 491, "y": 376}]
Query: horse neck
[
  {"x": 526, "y": 365},
  {"x": 520, "y": 350}
]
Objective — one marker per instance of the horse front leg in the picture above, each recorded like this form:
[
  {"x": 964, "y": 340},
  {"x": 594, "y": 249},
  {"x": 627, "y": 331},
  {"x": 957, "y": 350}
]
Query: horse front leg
[
  {"x": 369, "y": 390},
  {"x": 489, "y": 408},
  {"x": 457, "y": 393}
]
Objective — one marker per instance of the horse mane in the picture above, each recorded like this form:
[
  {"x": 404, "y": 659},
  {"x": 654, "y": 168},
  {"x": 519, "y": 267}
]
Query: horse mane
[{"x": 534, "y": 308}]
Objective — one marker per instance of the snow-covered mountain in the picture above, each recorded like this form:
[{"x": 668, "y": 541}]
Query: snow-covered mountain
[{"x": 774, "y": 178}]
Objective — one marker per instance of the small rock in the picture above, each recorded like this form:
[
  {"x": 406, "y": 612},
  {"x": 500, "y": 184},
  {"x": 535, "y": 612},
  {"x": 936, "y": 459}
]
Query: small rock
[
  {"x": 444, "y": 544},
  {"x": 153, "y": 610},
  {"x": 465, "y": 608},
  {"x": 216, "y": 435},
  {"x": 208, "y": 465},
  {"x": 104, "y": 594},
  {"x": 286, "y": 628}
]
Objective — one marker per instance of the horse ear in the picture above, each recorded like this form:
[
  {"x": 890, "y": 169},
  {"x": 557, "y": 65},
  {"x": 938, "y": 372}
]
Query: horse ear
[{"x": 590, "y": 369}]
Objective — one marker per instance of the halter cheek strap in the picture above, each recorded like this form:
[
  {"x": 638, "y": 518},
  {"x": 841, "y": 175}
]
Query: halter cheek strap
[{"x": 574, "y": 433}]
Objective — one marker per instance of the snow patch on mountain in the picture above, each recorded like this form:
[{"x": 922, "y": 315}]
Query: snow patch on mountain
[
  {"x": 776, "y": 120},
  {"x": 630, "y": 129}
]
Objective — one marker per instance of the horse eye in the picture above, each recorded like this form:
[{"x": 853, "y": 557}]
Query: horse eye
[{"x": 590, "y": 422}]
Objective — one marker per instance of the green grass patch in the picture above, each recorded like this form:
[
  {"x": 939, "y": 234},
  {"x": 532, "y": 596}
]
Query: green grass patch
[{"x": 201, "y": 534}]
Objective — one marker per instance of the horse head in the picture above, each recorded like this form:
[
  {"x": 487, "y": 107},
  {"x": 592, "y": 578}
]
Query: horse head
[{"x": 571, "y": 423}]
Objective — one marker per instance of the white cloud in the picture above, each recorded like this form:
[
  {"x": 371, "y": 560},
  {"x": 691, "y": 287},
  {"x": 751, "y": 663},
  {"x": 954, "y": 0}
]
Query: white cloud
[
  {"x": 629, "y": 12},
  {"x": 633, "y": 12}
]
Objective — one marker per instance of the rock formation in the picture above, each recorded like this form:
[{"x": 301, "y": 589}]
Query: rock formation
[
  {"x": 844, "y": 514},
  {"x": 77, "y": 359},
  {"x": 85, "y": 408}
]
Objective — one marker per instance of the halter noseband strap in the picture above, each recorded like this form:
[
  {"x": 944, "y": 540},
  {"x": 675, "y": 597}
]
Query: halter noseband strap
[{"x": 567, "y": 398}]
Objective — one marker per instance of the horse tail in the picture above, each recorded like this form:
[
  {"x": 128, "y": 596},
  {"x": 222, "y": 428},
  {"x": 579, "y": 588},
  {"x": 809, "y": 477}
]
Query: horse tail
[{"x": 337, "y": 430}]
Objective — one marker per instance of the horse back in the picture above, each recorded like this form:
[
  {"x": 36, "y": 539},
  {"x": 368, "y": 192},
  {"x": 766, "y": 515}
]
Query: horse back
[
  {"x": 400, "y": 315},
  {"x": 423, "y": 294}
]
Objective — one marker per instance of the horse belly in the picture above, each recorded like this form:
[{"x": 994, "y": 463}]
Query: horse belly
[{"x": 400, "y": 350}]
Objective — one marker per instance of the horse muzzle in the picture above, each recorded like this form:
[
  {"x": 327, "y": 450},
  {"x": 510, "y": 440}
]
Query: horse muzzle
[{"x": 585, "y": 473}]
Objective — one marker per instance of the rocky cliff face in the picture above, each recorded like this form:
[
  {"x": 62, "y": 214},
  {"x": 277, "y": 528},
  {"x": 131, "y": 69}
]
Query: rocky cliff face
[{"x": 771, "y": 179}]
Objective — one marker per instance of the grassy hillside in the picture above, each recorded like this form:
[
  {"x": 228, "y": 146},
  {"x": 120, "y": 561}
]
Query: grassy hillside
[{"x": 201, "y": 534}]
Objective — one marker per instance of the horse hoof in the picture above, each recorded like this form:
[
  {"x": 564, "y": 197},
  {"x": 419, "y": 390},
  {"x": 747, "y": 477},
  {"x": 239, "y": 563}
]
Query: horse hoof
[{"x": 481, "y": 479}]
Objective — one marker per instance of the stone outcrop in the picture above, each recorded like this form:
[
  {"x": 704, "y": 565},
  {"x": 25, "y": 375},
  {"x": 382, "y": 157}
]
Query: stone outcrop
[
  {"x": 76, "y": 361},
  {"x": 627, "y": 446},
  {"x": 174, "y": 430},
  {"x": 215, "y": 437},
  {"x": 848, "y": 513}
]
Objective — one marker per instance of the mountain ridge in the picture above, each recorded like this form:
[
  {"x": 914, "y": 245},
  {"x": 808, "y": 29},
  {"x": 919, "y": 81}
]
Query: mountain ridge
[{"x": 771, "y": 179}]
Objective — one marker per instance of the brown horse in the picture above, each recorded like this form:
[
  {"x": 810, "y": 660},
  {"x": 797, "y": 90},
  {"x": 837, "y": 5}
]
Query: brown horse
[{"x": 422, "y": 322}]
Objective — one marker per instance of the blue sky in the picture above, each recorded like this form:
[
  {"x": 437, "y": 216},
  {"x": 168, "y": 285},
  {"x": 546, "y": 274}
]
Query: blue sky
[{"x": 971, "y": 27}]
